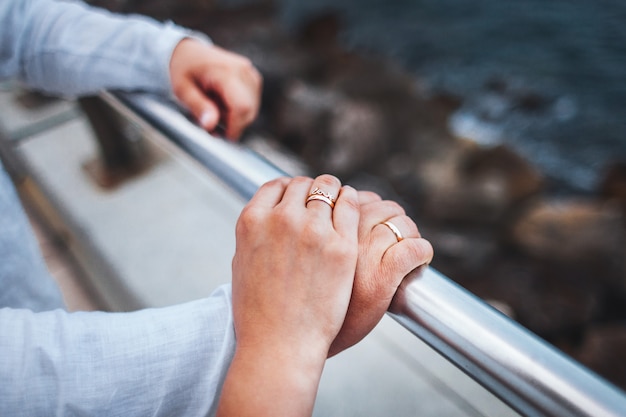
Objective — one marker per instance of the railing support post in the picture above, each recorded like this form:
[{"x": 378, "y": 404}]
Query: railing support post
[{"x": 122, "y": 151}]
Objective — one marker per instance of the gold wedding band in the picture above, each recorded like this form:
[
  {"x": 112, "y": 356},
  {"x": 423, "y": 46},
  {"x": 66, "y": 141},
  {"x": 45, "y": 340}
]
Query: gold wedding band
[
  {"x": 320, "y": 195},
  {"x": 394, "y": 229}
]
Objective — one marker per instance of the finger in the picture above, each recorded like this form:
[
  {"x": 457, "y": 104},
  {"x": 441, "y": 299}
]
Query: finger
[
  {"x": 407, "y": 255},
  {"x": 295, "y": 194},
  {"x": 203, "y": 109},
  {"x": 324, "y": 191},
  {"x": 242, "y": 107},
  {"x": 210, "y": 116},
  {"x": 239, "y": 92},
  {"x": 366, "y": 197},
  {"x": 379, "y": 211},
  {"x": 383, "y": 237},
  {"x": 346, "y": 213},
  {"x": 271, "y": 193}
]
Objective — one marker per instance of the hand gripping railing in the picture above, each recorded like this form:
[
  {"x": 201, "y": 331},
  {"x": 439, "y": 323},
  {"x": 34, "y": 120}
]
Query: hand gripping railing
[{"x": 526, "y": 373}]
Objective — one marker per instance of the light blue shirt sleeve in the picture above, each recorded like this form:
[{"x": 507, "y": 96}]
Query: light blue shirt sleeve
[
  {"x": 68, "y": 48},
  {"x": 24, "y": 278},
  {"x": 155, "y": 362}
]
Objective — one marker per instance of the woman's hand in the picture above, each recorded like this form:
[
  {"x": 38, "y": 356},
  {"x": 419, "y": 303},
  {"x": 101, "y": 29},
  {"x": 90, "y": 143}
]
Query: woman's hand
[
  {"x": 293, "y": 272},
  {"x": 220, "y": 88},
  {"x": 382, "y": 264}
]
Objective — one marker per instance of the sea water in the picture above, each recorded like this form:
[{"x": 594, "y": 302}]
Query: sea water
[{"x": 546, "y": 77}]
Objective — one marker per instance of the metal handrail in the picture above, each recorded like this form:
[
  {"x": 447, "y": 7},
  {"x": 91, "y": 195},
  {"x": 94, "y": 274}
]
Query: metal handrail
[{"x": 528, "y": 374}]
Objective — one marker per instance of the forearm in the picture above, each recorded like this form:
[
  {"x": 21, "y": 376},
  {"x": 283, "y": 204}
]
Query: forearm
[
  {"x": 68, "y": 48},
  {"x": 271, "y": 381},
  {"x": 157, "y": 362}
]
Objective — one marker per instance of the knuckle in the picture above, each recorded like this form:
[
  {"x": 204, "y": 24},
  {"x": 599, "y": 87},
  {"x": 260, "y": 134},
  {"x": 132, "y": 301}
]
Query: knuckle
[
  {"x": 369, "y": 196},
  {"x": 249, "y": 218},
  {"x": 411, "y": 227},
  {"x": 275, "y": 183},
  {"x": 247, "y": 67},
  {"x": 350, "y": 203},
  {"x": 246, "y": 108},
  {"x": 395, "y": 207},
  {"x": 422, "y": 250},
  {"x": 245, "y": 63},
  {"x": 301, "y": 180},
  {"x": 258, "y": 78},
  {"x": 329, "y": 180}
]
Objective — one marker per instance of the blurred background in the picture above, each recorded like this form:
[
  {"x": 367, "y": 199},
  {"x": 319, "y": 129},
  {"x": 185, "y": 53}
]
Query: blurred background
[{"x": 499, "y": 126}]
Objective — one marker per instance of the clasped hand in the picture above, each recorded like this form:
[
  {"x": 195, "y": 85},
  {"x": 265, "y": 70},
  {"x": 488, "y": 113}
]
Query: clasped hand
[{"x": 311, "y": 277}]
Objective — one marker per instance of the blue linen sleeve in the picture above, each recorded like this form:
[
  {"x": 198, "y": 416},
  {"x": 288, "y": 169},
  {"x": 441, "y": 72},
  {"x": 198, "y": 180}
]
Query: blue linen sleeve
[
  {"x": 69, "y": 49},
  {"x": 168, "y": 361}
]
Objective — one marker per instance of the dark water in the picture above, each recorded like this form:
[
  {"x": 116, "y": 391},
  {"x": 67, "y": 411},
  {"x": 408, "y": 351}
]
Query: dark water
[{"x": 547, "y": 77}]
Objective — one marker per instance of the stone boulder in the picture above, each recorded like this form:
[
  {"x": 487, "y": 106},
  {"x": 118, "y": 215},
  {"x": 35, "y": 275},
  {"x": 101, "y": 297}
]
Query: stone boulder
[
  {"x": 570, "y": 231},
  {"x": 603, "y": 351},
  {"x": 538, "y": 300},
  {"x": 477, "y": 185},
  {"x": 333, "y": 133},
  {"x": 576, "y": 237},
  {"x": 613, "y": 184}
]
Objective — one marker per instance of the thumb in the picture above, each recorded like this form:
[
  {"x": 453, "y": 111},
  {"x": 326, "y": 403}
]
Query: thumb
[
  {"x": 205, "y": 110},
  {"x": 209, "y": 116}
]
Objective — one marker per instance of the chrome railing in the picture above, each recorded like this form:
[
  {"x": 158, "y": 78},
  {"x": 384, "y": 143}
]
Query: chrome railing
[{"x": 528, "y": 374}]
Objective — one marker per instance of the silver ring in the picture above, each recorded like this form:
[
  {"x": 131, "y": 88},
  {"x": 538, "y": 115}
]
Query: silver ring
[{"x": 394, "y": 229}]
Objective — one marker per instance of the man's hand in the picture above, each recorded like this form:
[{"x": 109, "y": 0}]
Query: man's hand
[
  {"x": 220, "y": 88},
  {"x": 382, "y": 264}
]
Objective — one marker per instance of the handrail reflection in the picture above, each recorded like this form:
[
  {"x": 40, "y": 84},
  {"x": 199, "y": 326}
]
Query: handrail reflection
[{"x": 526, "y": 373}]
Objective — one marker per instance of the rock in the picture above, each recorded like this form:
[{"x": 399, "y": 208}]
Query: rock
[
  {"x": 477, "y": 185},
  {"x": 523, "y": 179},
  {"x": 469, "y": 250},
  {"x": 518, "y": 96},
  {"x": 320, "y": 33},
  {"x": 603, "y": 351},
  {"x": 549, "y": 307},
  {"x": 557, "y": 312},
  {"x": 302, "y": 118},
  {"x": 356, "y": 137},
  {"x": 571, "y": 232},
  {"x": 334, "y": 133},
  {"x": 613, "y": 184},
  {"x": 531, "y": 101}
]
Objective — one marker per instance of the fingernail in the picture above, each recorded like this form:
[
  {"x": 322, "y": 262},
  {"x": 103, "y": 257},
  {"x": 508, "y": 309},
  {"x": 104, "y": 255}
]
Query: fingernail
[{"x": 206, "y": 119}]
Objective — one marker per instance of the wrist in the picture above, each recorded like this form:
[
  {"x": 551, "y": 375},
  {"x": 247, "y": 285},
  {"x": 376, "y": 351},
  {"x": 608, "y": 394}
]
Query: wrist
[
  {"x": 269, "y": 380},
  {"x": 303, "y": 358}
]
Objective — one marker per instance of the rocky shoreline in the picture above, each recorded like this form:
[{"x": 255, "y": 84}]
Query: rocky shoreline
[{"x": 555, "y": 261}]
